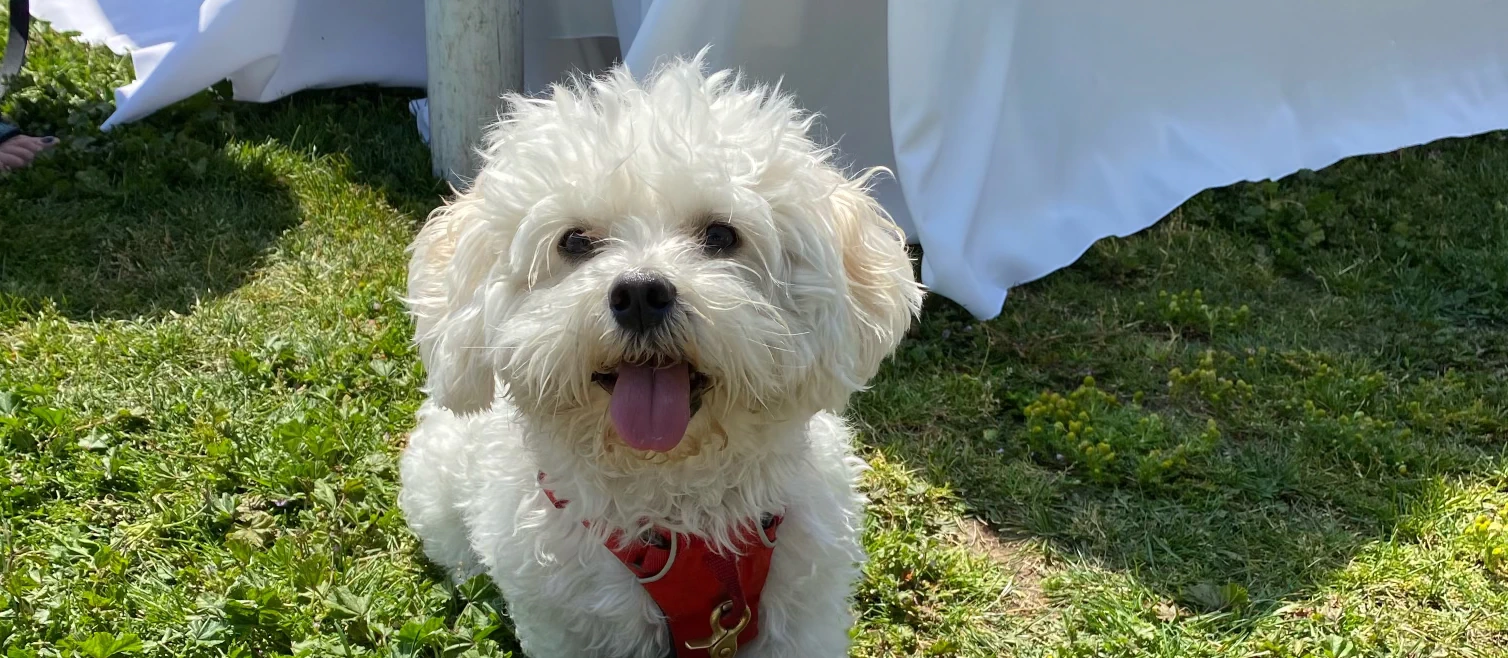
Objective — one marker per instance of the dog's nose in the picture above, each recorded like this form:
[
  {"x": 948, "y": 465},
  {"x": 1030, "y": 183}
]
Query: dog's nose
[{"x": 641, "y": 301}]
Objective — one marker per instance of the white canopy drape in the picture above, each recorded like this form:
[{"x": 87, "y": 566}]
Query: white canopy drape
[{"x": 1021, "y": 131}]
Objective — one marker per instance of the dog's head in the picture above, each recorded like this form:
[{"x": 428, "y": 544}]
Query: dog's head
[{"x": 636, "y": 254}]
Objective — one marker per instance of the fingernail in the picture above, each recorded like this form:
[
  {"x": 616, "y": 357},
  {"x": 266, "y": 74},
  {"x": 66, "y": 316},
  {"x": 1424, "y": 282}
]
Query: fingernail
[{"x": 49, "y": 140}]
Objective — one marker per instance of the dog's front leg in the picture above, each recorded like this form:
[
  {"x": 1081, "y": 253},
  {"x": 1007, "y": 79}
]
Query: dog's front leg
[
  {"x": 434, "y": 477},
  {"x": 806, "y": 610}
]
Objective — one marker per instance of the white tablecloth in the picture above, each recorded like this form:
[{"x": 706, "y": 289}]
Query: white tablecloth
[{"x": 1021, "y": 130}]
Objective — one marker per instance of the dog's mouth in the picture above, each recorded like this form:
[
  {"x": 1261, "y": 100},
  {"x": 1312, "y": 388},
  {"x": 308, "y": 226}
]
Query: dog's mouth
[{"x": 653, "y": 401}]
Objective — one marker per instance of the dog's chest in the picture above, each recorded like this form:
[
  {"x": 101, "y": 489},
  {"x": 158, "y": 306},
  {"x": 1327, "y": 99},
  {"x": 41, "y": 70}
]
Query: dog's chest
[{"x": 707, "y": 593}]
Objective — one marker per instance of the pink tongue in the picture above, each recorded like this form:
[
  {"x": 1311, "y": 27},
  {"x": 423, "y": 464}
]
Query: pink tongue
[{"x": 651, "y": 407}]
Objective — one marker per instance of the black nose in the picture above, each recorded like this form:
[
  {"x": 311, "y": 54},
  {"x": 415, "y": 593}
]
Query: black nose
[{"x": 641, "y": 301}]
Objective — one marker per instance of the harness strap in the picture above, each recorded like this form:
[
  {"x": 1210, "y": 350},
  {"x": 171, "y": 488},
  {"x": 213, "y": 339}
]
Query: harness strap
[
  {"x": 726, "y": 574},
  {"x": 710, "y": 599}
]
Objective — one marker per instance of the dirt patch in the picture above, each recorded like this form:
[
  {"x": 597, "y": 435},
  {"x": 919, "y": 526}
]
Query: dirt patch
[{"x": 1020, "y": 557}]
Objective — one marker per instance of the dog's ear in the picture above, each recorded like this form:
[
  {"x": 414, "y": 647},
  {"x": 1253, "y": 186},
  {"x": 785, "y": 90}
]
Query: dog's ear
[
  {"x": 883, "y": 295},
  {"x": 449, "y": 273}
]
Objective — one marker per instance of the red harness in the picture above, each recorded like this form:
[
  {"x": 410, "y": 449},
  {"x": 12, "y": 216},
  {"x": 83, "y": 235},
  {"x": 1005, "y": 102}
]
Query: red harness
[{"x": 710, "y": 600}]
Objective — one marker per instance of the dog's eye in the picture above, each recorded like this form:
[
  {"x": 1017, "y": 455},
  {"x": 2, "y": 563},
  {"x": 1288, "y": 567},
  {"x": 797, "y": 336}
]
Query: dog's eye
[
  {"x": 718, "y": 238},
  {"x": 576, "y": 244}
]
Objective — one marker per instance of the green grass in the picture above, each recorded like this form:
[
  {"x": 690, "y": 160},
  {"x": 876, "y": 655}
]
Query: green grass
[{"x": 1273, "y": 425}]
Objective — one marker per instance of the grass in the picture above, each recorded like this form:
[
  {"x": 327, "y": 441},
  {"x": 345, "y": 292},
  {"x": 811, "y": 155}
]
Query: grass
[{"x": 1273, "y": 425}]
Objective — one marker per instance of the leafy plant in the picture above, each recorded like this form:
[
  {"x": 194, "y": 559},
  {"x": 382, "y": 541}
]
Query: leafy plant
[{"x": 1092, "y": 431}]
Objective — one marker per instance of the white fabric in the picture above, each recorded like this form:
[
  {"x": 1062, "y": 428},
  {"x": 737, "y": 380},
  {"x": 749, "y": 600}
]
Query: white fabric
[
  {"x": 1027, "y": 130},
  {"x": 267, "y": 48},
  {"x": 1021, "y": 130}
]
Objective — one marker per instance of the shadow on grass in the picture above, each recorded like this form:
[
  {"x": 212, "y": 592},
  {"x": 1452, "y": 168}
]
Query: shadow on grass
[
  {"x": 138, "y": 222},
  {"x": 154, "y": 215},
  {"x": 135, "y": 234},
  {"x": 187, "y": 204},
  {"x": 1274, "y": 516},
  {"x": 369, "y": 129},
  {"x": 1372, "y": 381}
]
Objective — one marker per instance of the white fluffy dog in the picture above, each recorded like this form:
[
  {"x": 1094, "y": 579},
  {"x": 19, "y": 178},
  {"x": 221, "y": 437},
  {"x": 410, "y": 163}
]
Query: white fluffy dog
[{"x": 638, "y": 324}]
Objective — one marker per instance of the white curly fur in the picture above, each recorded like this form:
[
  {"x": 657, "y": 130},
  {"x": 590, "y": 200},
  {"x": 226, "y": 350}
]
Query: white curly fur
[{"x": 790, "y": 324}]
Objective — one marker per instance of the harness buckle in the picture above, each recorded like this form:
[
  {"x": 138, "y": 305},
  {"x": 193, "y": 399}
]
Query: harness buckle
[{"x": 724, "y": 641}]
